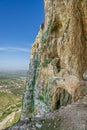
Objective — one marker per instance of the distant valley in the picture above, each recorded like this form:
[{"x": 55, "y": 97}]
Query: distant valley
[{"x": 12, "y": 86}]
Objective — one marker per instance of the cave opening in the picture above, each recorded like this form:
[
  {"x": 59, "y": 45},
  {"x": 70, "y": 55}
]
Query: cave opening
[
  {"x": 57, "y": 104},
  {"x": 58, "y": 66},
  {"x": 61, "y": 98}
]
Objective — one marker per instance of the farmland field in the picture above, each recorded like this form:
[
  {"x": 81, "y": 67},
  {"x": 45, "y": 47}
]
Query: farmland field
[{"x": 11, "y": 91}]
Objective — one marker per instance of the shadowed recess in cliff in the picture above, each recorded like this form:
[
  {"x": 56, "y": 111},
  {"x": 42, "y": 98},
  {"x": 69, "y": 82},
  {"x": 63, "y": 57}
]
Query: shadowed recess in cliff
[{"x": 61, "y": 98}]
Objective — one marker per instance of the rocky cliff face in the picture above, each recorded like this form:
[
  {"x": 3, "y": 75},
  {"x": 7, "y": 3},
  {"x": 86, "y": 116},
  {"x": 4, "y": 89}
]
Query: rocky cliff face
[
  {"x": 58, "y": 69},
  {"x": 58, "y": 62}
]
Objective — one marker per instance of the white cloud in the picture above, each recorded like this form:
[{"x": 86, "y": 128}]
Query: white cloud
[{"x": 14, "y": 49}]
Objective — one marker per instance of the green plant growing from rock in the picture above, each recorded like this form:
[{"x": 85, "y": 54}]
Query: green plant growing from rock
[
  {"x": 46, "y": 62},
  {"x": 43, "y": 97}
]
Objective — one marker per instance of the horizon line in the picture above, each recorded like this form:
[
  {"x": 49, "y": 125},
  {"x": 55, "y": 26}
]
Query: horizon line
[{"x": 14, "y": 49}]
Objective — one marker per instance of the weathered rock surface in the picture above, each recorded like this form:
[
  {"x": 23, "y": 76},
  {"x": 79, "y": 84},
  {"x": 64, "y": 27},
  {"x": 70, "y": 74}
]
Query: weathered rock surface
[{"x": 58, "y": 67}]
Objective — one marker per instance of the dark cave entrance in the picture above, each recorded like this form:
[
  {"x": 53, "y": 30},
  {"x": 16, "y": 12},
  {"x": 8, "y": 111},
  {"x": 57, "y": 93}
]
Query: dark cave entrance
[
  {"x": 57, "y": 105},
  {"x": 61, "y": 98}
]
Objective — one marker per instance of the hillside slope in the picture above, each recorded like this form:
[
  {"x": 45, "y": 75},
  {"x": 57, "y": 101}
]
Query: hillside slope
[{"x": 71, "y": 117}]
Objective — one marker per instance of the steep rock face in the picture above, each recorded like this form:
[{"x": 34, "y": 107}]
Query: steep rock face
[{"x": 58, "y": 63}]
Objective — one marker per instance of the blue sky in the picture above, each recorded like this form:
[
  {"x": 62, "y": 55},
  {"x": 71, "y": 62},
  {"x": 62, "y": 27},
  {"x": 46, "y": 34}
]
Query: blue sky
[{"x": 19, "y": 25}]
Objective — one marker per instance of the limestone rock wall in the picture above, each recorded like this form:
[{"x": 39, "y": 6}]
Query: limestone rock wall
[{"x": 58, "y": 58}]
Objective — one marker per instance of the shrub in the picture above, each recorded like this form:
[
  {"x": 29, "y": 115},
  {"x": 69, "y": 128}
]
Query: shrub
[{"x": 45, "y": 63}]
